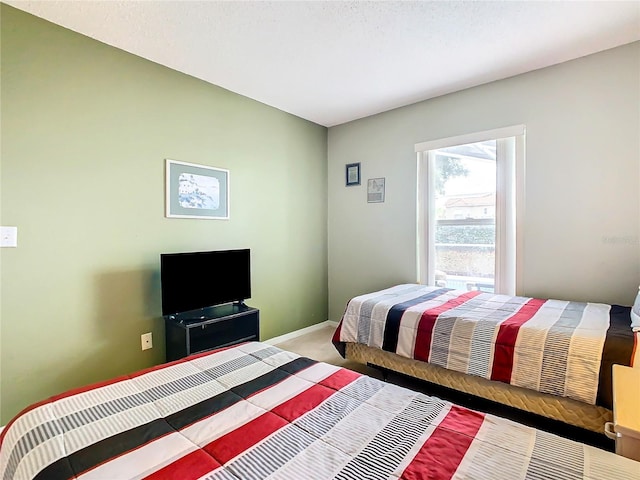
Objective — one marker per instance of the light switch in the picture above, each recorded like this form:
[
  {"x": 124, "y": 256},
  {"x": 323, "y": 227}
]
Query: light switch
[{"x": 8, "y": 236}]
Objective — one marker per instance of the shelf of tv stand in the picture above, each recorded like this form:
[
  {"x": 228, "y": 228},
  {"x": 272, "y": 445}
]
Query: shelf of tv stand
[{"x": 214, "y": 327}]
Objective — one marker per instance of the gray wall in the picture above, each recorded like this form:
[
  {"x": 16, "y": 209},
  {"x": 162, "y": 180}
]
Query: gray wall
[
  {"x": 582, "y": 219},
  {"x": 86, "y": 129}
]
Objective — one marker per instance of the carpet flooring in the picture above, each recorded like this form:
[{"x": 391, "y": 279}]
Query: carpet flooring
[{"x": 317, "y": 346}]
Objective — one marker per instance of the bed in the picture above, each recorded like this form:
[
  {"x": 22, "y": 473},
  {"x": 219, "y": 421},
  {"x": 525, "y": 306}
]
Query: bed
[
  {"x": 253, "y": 411},
  {"x": 544, "y": 356}
]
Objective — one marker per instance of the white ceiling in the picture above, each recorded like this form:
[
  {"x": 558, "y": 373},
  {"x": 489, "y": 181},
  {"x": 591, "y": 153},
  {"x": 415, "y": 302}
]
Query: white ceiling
[{"x": 335, "y": 61}]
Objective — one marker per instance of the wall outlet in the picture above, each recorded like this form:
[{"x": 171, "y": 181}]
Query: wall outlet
[{"x": 147, "y": 341}]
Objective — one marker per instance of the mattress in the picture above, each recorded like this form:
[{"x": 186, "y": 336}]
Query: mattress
[
  {"x": 572, "y": 412},
  {"x": 254, "y": 411}
]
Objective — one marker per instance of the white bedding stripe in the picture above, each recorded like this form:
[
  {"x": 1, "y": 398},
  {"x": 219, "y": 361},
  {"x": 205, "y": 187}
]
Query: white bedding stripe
[
  {"x": 527, "y": 358},
  {"x": 143, "y": 461},
  {"x": 318, "y": 462},
  {"x": 215, "y": 426},
  {"x": 317, "y": 372},
  {"x": 459, "y": 356},
  {"x": 283, "y": 391},
  {"x": 482, "y": 347},
  {"x": 408, "y": 330},
  {"x": 352, "y": 432},
  {"x": 280, "y": 358},
  {"x": 481, "y": 461},
  {"x": 583, "y": 369}
]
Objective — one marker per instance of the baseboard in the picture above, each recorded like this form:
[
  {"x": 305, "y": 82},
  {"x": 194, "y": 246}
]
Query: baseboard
[{"x": 302, "y": 331}]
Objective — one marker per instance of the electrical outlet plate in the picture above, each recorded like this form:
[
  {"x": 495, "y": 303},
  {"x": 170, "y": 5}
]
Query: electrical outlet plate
[
  {"x": 8, "y": 236},
  {"x": 146, "y": 339}
]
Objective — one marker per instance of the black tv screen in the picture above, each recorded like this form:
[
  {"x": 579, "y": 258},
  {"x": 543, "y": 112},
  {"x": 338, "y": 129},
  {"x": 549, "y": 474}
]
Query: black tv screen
[{"x": 197, "y": 280}]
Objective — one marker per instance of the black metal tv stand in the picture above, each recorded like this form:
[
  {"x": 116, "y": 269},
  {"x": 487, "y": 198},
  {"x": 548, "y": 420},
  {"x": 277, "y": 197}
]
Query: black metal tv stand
[{"x": 213, "y": 327}]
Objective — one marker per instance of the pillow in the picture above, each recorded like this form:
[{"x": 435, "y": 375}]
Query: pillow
[{"x": 635, "y": 314}]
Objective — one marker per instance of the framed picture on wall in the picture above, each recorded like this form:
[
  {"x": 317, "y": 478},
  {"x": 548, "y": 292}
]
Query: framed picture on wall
[
  {"x": 375, "y": 190},
  {"x": 196, "y": 191},
  {"x": 353, "y": 174}
]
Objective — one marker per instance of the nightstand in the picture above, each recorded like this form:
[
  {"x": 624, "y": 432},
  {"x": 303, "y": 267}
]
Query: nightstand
[{"x": 625, "y": 428}]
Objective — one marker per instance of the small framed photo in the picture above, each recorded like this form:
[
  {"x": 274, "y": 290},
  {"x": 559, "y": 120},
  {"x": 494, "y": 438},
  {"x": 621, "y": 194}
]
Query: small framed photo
[
  {"x": 353, "y": 174},
  {"x": 375, "y": 190},
  {"x": 196, "y": 191}
]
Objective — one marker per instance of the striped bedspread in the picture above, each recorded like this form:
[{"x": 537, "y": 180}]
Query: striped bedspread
[
  {"x": 552, "y": 346},
  {"x": 256, "y": 412}
]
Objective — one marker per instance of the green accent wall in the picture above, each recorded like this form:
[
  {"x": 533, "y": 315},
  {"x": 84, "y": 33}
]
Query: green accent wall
[{"x": 86, "y": 129}]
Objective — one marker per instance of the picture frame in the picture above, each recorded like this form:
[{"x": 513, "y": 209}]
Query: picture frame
[
  {"x": 196, "y": 191},
  {"x": 352, "y": 172},
  {"x": 375, "y": 190}
]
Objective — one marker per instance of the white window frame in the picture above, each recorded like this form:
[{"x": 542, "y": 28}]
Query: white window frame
[{"x": 510, "y": 207}]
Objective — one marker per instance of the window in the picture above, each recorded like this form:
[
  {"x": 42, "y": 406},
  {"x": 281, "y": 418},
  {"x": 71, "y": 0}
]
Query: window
[{"x": 470, "y": 191}]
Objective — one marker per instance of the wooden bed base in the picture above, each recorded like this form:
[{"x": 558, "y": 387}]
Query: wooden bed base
[{"x": 566, "y": 410}]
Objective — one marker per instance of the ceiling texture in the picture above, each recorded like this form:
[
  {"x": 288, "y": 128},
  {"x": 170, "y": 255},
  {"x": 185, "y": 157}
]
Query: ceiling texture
[{"x": 331, "y": 62}]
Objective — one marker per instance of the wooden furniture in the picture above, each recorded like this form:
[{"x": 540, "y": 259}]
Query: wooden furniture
[
  {"x": 217, "y": 327},
  {"x": 625, "y": 428}
]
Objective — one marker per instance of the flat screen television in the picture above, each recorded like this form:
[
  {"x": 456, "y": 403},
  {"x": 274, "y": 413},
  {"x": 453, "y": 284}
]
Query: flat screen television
[{"x": 198, "y": 280}]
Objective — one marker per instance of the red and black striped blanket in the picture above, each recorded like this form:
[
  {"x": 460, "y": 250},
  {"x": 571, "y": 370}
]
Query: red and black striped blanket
[
  {"x": 552, "y": 346},
  {"x": 254, "y": 411}
]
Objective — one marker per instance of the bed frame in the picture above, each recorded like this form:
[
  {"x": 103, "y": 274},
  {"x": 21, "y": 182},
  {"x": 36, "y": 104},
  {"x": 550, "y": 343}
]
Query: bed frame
[{"x": 572, "y": 412}]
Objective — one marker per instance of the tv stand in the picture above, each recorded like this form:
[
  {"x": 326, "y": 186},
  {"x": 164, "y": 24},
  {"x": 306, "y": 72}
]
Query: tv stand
[{"x": 210, "y": 328}]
